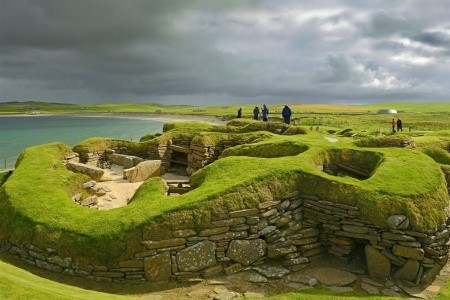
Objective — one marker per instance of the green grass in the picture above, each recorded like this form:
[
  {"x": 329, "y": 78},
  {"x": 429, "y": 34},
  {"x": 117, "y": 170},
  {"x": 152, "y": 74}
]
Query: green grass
[
  {"x": 78, "y": 232},
  {"x": 273, "y": 165},
  {"x": 16, "y": 283}
]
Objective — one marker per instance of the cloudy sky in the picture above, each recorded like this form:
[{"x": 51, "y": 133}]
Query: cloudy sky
[{"x": 223, "y": 52}]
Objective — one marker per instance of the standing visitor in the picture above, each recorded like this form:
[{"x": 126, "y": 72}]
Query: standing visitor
[
  {"x": 399, "y": 125},
  {"x": 286, "y": 113},
  {"x": 265, "y": 113},
  {"x": 239, "y": 113},
  {"x": 393, "y": 125},
  {"x": 256, "y": 113}
]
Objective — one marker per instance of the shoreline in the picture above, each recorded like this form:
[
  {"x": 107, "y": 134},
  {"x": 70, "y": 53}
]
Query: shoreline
[{"x": 153, "y": 116}]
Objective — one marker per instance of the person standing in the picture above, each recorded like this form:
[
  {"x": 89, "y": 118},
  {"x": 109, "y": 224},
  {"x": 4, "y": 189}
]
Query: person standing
[
  {"x": 239, "y": 115},
  {"x": 399, "y": 125},
  {"x": 256, "y": 113},
  {"x": 286, "y": 113},
  {"x": 393, "y": 125},
  {"x": 265, "y": 113}
]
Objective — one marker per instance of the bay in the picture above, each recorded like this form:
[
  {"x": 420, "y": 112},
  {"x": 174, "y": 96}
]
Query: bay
[{"x": 20, "y": 132}]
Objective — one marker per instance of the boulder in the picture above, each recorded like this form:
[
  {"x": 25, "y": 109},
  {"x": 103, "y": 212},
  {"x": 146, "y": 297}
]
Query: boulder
[
  {"x": 246, "y": 252},
  {"x": 408, "y": 252},
  {"x": 331, "y": 276},
  {"x": 145, "y": 170},
  {"x": 128, "y": 162},
  {"x": 127, "y": 172},
  {"x": 408, "y": 271},
  {"x": 158, "y": 267},
  {"x": 378, "y": 264},
  {"x": 93, "y": 172},
  {"x": 199, "y": 256},
  {"x": 398, "y": 222},
  {"x": 117, "y": 159}
]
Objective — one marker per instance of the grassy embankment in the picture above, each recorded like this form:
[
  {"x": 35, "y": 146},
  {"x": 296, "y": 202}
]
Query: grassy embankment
[
  {"x": 77, "y": 232},
  {"x": 210, "y": 179}
]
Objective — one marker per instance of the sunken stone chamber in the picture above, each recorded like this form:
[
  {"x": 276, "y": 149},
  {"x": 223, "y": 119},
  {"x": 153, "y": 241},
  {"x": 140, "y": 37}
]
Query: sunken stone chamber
[{"x": 346, "y": 162}]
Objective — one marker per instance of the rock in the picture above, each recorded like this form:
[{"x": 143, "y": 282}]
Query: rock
[
  {"x": 199, "y": 256},
  {"x": 378, "y": 265},
  {"x": 164, "y": 243},
  {"x": 199, "y": 293},
  {"x": 257, "y": 278},
  {"x": 272, "y": 271},
  {"x": 355, "y": 229},
  {"x": 117, "y": 159},
  {"x": 372, "y": 282},
  {"x": 341, "y": 289},
  {"x": 398, "y": 222},
  {"x": 209, "y": 272},
  {"x": 253, "y": 295},
  {"x": 89, "y": 184},
  {"x": 137, "y": 160},
  {"x": 408, "y": 252},
  {"x": 390, "y": 293},
  {"x": 430, "y": 274},
  {"x": 158, "y": 267},
  {"x": 246, "y": 252},
  {"x": 408, "y": 271},
  {"x": 92, "y": 200},
  {"x": 397, "y": 237},
  {"x": 226, "y": 295},
  {"x": 299, "y": 277},
  {"x": 274, "y": 252},
  {"x": 370, "y": 289},
  {"x": 145, "y": 170},
  {"x": 93, "y": 172},
  {"x": 126, "y": 173},
  {"x": 128, "y": 162},
  {"x": 313, "y": 282},
  {"x": 331, "y": 276}
]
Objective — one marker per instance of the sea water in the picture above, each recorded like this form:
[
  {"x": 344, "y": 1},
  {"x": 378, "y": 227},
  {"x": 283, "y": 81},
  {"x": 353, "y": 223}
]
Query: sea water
[{"x": 20, "y": 132}]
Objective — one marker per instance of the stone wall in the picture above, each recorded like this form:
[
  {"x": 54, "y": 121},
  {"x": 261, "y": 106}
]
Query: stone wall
[
  {"x": 198, "y": 156},
  {"x": 291, "y": 231}
]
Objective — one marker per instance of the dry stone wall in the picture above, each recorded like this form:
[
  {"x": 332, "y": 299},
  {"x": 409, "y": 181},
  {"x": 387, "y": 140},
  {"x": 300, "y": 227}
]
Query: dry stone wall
[{"x": 292, "y": 231}]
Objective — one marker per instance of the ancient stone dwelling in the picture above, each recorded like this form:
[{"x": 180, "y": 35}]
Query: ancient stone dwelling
[{"x": 288, "y": 230}]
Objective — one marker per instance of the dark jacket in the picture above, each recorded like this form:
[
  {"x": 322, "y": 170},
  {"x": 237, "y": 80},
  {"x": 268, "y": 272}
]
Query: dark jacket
[{"x": 286, "y": 111}]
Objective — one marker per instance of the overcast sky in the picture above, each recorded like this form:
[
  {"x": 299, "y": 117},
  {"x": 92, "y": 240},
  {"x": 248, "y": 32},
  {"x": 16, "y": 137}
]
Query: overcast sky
[{"x": 223, "y": 52}]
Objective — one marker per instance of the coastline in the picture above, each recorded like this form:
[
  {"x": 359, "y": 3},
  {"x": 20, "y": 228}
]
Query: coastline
[{"x": 166, "y": 118}]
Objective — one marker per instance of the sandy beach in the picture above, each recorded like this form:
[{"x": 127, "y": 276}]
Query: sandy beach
[{"x": 166, "y": 118}]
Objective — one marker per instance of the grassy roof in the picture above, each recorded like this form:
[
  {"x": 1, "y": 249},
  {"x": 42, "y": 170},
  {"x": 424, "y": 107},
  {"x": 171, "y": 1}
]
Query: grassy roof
[{"x": 36, "y": 205}]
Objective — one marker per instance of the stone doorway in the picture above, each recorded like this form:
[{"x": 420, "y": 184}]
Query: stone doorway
[{"x": 178, "y": 162}]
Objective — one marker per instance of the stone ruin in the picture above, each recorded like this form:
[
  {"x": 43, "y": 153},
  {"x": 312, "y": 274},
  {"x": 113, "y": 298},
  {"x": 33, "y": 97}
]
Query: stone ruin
[{"x": 291, "y": 230}]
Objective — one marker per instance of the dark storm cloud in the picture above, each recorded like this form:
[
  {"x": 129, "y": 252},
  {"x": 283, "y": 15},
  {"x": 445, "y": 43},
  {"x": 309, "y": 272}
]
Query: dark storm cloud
[{"x": 223, "y": 51}]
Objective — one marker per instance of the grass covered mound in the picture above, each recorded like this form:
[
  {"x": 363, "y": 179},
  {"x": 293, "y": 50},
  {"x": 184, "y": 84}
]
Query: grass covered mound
[{"x": 36, "y": 205}]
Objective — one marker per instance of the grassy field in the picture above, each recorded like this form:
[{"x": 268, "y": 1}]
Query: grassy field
[
  {"x": 362, "y": 120},
  {"x": 416, "y": 116}
]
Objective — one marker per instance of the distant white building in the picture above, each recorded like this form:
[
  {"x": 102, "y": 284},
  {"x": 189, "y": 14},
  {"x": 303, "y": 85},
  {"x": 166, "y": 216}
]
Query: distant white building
[{"x": 387, "y": 111}]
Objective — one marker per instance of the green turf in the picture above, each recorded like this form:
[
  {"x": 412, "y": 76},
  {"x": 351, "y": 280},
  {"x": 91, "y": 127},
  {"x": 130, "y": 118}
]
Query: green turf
[{"x": 16, "y": 283}]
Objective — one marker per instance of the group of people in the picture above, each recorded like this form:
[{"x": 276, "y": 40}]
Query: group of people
[
  {"x": 286, "y": 113},
  {"x": 399, "y": 125}
]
